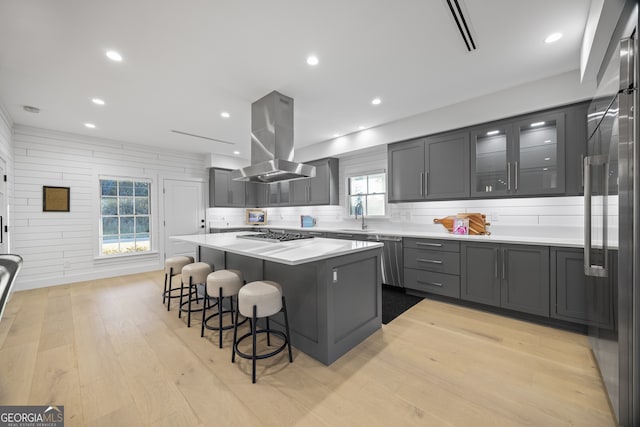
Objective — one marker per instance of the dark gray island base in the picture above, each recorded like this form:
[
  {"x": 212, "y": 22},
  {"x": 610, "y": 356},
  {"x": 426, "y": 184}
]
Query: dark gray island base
[{"x": 333, "y": 303}]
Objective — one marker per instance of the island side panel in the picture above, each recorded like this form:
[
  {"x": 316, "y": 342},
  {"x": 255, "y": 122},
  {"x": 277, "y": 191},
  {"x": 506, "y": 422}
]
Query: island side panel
[
  {"x": 305, "y": 304},
  {"x": 354, "y": 299}
]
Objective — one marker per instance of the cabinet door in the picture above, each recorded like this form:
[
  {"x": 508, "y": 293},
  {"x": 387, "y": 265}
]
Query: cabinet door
[
  {"x": 318, "y": 186},
  {"x": 447, "y": 166},
  {"x": 479, "y": 275},
  {"x": 299, "y": 191},
  {"x": 490, "y": 161},
  {"x": 576, "y": 297},
  {"x": 237, "y": 192},
  {"x": 406, "y": 171},
  {"x": 525, "y": 279},
  {"x": 539, "y": 150}
]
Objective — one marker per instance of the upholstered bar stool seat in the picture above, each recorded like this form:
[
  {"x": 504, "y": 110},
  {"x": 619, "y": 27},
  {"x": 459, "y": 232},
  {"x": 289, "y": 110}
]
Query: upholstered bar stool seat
[
  {"x": 221, "y": 284},
  {"x": 256, "y": 300},
  {"x": 193, "y": 275},
  {"x": 173, "y": 267}
]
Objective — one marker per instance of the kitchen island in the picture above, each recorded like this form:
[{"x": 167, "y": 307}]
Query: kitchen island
[{"x": 332, "y": 287}]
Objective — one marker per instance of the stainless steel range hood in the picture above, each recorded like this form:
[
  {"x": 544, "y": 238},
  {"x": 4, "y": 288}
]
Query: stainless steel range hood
[{"x": 272, "y": 143}]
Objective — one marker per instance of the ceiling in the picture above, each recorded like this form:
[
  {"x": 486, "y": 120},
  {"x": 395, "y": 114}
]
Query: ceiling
[{"x": 186, "y": 62}]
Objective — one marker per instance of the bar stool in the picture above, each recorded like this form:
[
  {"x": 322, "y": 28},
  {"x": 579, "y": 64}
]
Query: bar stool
[
  {"x": 173, "y": 267},
  {"x": 194, "y": 274},
  {"x": 220, "y": 284},
  {"x": 256, "y": 300}
]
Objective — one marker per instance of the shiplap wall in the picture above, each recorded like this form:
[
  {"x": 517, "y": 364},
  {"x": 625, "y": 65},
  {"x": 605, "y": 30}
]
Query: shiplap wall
[
  {"x": 62, "y": 247},
  {"x": 554, "y": 211}
]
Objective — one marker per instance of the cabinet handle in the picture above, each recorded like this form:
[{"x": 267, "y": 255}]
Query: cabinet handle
[
  {"x": 437, "y": 245},
  {"x": 430, "y": 283},
  {"x": 582, "y": 174},
  {"x": 422, "y": 183},
  {"x": 315, "y": 233},
  {"x": 430, "y": 261},
  {"x": 495, "y": 273},
  {"x": 508, "y": 176},
  {"x": 504, "y": 264},
  {"x": 344, "y": 235},
  {"x": 426, "y": 183},
  {"x": 515, "y": 175}
]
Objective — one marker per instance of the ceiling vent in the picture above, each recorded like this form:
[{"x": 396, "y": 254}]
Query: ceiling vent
[{"x": 461, "y": 23}]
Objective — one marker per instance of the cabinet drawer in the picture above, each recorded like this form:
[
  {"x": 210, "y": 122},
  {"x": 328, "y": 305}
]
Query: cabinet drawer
[
  {"x": 435, "y": 283},
  {"x": 435, "y": 244},
  {"x": 438, "y": 261}
]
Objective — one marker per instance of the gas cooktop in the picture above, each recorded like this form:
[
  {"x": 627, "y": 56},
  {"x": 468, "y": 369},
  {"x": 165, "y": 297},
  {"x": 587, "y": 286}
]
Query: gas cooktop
[{"x": 275, "y": 237}]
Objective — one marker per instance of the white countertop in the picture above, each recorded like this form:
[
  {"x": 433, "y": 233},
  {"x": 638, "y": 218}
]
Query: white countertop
[
  {"x": 543, "y": 235},
  {"x": 292, "y": 253}
]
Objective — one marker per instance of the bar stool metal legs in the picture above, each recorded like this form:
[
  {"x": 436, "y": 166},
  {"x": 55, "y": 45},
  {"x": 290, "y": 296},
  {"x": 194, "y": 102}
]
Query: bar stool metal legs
[{"x": 257, "y": 300}]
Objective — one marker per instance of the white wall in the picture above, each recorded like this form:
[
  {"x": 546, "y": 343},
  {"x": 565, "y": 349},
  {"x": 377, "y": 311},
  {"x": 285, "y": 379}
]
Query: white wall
[
  {"x": 6, "y": 152},
  {"x": 62, "y": 247}
]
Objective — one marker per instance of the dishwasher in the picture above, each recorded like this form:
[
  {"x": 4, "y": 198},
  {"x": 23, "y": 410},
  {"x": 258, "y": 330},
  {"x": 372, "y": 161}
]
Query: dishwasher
[{"x": 392, "y": 263}]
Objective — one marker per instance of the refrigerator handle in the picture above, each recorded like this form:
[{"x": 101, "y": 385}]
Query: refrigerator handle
[{"x": 589, "y": 269}]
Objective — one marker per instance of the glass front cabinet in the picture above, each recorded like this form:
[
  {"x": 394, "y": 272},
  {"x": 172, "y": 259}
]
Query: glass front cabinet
[{"x": 519, "y": 157}]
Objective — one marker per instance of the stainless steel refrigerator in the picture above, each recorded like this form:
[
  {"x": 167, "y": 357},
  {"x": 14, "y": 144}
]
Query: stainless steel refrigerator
[{"x": 612, "y": 199}]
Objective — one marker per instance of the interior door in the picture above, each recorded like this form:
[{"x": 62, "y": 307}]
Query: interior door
[{"x": 183, "y": 214}]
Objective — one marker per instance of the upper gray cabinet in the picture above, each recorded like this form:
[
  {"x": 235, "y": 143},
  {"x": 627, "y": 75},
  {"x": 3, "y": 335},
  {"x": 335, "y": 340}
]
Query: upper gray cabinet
[
  {"x": 519, "y": 157},
  {"x": 431, "y": 168},
  {"x": 319, "y": 190},
  {"x": 576, "y": 143},
  {"x": 225, "y": 192}
]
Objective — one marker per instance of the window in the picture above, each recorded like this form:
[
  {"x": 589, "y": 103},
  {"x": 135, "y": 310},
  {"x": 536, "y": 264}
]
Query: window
[
  {"x": 367, "y": 194},
  {"x": 124, "y": 216}
]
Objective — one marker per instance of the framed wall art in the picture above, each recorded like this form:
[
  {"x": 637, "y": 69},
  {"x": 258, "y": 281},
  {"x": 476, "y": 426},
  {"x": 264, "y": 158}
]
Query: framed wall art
[{"x": 55, "y": 199}]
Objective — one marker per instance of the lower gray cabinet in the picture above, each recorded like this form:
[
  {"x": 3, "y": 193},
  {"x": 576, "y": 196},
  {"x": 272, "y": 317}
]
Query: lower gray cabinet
[
  {"x": 509, "y": 276},
  {"x": 579, "y": 298},
  {"x": 432, "y": 265}
]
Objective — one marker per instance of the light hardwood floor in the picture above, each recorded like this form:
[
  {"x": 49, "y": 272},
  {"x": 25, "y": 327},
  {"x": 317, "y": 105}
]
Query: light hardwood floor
[{"x": 112, "y": 355}]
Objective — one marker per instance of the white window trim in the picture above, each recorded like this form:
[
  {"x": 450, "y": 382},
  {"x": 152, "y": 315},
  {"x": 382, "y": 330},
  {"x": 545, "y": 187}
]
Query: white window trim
[
  {"x": 362, "y": 173},
  {"x": 153, "y": 250}
]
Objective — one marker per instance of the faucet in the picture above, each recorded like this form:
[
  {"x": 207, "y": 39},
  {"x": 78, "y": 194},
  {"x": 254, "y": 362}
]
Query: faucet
[{"x": 357, "y": 207}]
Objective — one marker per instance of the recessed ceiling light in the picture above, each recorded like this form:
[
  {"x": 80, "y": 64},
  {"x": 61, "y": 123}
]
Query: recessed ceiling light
[
  {"x": 493, "y": 132},
  {"x": 114, "y": 56},
  {"x": 547, "y": 158},
  {"x": 361, "y": 128},
  {"x": 336, "y": 135},
  {"x": 552, "y": 38},
  {"x": 30, "y": 109},
  {"x": 225, "y": 115},
  {"x": 536, "y": 124},
  {"x": 236, "y": 152},
  {"x": 97, "y": 101},
  {"x": 313, "y": 60},
  {"x": 90, "y": 125},
  {"x": 376, "y": 101}
]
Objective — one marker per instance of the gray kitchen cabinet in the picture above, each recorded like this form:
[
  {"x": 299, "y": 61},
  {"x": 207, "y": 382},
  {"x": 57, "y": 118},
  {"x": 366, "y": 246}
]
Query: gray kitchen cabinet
[
  {"x": 509, "y": 276},
  {"x": 519, "y": 157},
  {"x": 277, "y": 193},
  {"x": 432, "y": 266},
  {"x": 525, "y": 279},
  {"x": 225, "y": 192},
  {"x": 578, "y": 298},
  {"x": 431, "y": 168},
  {"x": 319, "y": 190},
  {"x": 479, "y": 273}
]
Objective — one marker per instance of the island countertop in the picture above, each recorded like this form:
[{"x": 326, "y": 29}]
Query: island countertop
[{"x": 293, "y": 252}]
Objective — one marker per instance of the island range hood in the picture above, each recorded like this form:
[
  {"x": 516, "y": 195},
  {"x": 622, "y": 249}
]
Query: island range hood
[{"x": 272, "y": 143}]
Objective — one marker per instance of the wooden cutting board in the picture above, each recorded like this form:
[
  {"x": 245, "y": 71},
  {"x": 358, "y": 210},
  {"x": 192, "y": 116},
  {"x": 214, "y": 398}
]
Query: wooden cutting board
[{"x": 477, "y": 222}]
